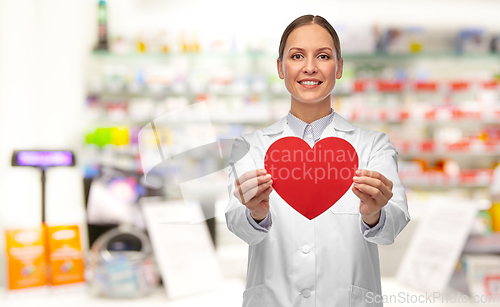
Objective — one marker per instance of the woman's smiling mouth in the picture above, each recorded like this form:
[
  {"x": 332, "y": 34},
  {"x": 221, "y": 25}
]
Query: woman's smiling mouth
[{"x": 310, "y": 83}]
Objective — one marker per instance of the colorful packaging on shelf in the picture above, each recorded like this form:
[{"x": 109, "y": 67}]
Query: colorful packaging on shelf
[
  {"x": 26, "y": 258},
  {"x": 495, "y": 194},
  {"x": 66, "y": 255},
  {"x": 483, "y": 277},
  {"x": 472, "y": 40},
  {"x": 495, "y": 215}
]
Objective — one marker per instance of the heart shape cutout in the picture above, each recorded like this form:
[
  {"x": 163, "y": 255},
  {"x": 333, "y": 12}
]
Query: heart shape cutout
[{"x": 311, "y": 180}]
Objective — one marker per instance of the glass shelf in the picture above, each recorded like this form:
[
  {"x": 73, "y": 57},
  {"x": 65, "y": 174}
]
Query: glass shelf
[
  {"x": 423, "y": 55},
  {"x": 191, "y": 55},
  {"x": 349, "y": 57}
]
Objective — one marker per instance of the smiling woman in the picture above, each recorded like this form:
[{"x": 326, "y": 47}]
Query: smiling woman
[{"x": 314, "y": 241}]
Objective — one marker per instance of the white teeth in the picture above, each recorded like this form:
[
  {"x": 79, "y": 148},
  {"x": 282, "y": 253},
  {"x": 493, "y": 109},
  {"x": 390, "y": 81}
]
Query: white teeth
[{"x": 310, "y": 82}]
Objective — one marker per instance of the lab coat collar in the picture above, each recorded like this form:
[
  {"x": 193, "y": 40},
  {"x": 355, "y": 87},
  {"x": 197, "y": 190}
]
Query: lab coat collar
[{"x": 338, "y": 123}]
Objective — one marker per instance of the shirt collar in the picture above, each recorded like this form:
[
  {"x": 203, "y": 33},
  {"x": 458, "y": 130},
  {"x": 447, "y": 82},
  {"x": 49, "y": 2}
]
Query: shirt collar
[
  {"x": 298, "y": 126},
  {"x": 338, "y": 122}
]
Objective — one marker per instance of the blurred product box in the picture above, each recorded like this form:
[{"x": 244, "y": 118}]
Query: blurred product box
[
  {"x": 66, "y": 255},
  {"x": 483, "y": 275},
  {"x": 472, "y": 41},
  {"x": 26, "y": 258},
  {"x": 45, "y": 255}
]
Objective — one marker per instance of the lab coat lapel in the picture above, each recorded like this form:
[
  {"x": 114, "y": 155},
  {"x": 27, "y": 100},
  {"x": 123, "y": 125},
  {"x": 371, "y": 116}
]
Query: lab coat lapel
[
  {"x": 280, "y": 129},
  {"x": 329, "y": 131},
  {"x": 276, "y": 131},
  {"x": 287, "y": 131}
]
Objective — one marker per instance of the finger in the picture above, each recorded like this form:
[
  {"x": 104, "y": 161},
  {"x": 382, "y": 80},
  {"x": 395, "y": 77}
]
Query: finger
[
  {"x": 386, "y": 181},
  {"x": 250, "y": 174},
  {"x": 251, "y": 183},
  {"x": 376, "y": 183},
  {"x": 371, "y": 191},
  {"x": 256, "y": 191},
  {"x": 258, "y": 198},
  {"x": 376, "y": 175},
  {"x": 362, "y": 196},
  {"x": 246, "y": 176},
  {"x": 264, "y": 195},
  {"x": 242, "y": 190},
  {"x": 368, "y": 196}
]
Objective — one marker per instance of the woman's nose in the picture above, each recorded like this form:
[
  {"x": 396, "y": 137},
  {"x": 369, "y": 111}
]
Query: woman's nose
[{"x": 309, "y": 66}]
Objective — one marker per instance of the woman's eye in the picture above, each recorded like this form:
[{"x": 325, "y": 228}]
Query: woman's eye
[
  {"x": 296, "y": 56},
  {"x": 324, "y": 56}
]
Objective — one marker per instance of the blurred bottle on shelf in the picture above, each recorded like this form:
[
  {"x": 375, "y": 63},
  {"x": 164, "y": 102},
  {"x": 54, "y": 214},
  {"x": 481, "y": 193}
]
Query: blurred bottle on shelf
[
  {"x": 183, "y": 43},
  {"x": 164, "y": 43},
  {"x": 415, "y": 39},
  {"x": 393, "y": 41},
  {"x": 106, "y": 136},
  {"x": 195, "y": 44},
  {"x": 189, "y": 42},
  {"x": 119, "y": 45},
  {"x": 495, "y": 44},
  {"x": 141, "y": 43},
  {"x": 495, "y": 194},
  {"x": 471, "y": 41},
  {"x": 102, "y": 18}
]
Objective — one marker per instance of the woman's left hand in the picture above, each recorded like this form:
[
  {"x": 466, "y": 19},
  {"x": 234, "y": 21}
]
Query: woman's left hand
[{"x": 374, "y": 191}]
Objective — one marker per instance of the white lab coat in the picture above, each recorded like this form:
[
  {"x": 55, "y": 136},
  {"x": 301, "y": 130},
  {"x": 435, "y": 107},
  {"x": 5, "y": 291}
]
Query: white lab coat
[{"x": 327, "y": 261}]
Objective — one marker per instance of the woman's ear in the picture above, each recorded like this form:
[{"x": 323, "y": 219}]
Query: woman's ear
[
  {"x": 280, "y": 69},
  {"x": 340, "y": 68}
]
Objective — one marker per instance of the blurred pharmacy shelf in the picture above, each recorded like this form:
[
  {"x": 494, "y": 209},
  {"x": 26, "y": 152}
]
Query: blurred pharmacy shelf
[
  {"x": 427, "y": 114},
  {"x": 348, "y": 56},
  {"x": 483, "y": 244},
  {"x": 441, "y": 110},
  {"x": 473, "y": 147},
  {"x": 437, "y": 180}
]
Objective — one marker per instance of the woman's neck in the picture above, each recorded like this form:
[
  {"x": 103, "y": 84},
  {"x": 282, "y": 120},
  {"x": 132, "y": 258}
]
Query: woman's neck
[{"x": 309, "y": 112}]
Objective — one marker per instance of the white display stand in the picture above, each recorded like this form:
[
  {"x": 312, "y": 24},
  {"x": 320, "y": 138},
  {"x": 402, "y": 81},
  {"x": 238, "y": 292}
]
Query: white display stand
[
  {"x": 184, "y": 252},
  {"x": 229, "y": 294},
  {"x": 437, "y": 245}
]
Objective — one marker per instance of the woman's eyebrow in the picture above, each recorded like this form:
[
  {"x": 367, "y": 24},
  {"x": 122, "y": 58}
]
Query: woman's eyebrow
[{"x": 319, "y": 49}]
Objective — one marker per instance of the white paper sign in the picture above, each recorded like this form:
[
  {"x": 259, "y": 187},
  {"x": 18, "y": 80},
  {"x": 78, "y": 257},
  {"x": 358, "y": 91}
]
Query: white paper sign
[
  {"x": 184, "y": 251},
  {"x": 437, "y": 244}
]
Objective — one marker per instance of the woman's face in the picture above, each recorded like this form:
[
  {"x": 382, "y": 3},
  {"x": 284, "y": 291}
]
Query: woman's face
[{"x": 310, "y": 67}]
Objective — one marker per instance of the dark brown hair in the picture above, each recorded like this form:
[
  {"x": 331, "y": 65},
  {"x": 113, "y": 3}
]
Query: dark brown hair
[{"x": 308, "y": 20}]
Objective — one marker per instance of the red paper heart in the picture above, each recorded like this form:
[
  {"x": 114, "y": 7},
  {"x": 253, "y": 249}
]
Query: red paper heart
[{"x": 311, "y": 180}]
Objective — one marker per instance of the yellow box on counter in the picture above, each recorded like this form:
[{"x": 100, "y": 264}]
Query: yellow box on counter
[
  {"x": 66, "y": 255},
  {"x": 26, "y": 258},
  {"x": 45, "y": 255}
]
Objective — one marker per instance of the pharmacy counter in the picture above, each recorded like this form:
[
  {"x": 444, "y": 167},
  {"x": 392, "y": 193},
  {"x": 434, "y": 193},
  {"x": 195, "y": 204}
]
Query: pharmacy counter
[{"x": 229, "y": 294}]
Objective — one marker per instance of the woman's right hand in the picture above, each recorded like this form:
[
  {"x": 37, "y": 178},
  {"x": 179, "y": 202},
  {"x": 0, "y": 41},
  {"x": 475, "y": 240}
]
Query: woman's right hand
[{"x": 252, "y": 189}]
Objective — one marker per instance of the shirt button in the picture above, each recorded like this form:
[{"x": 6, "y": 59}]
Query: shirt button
[
  {"x": 306, "y": 293},
  {"x": 309, "y": 127},
  {"x": 310, "y": 136},
  {"x": 305, "y": 249}
]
